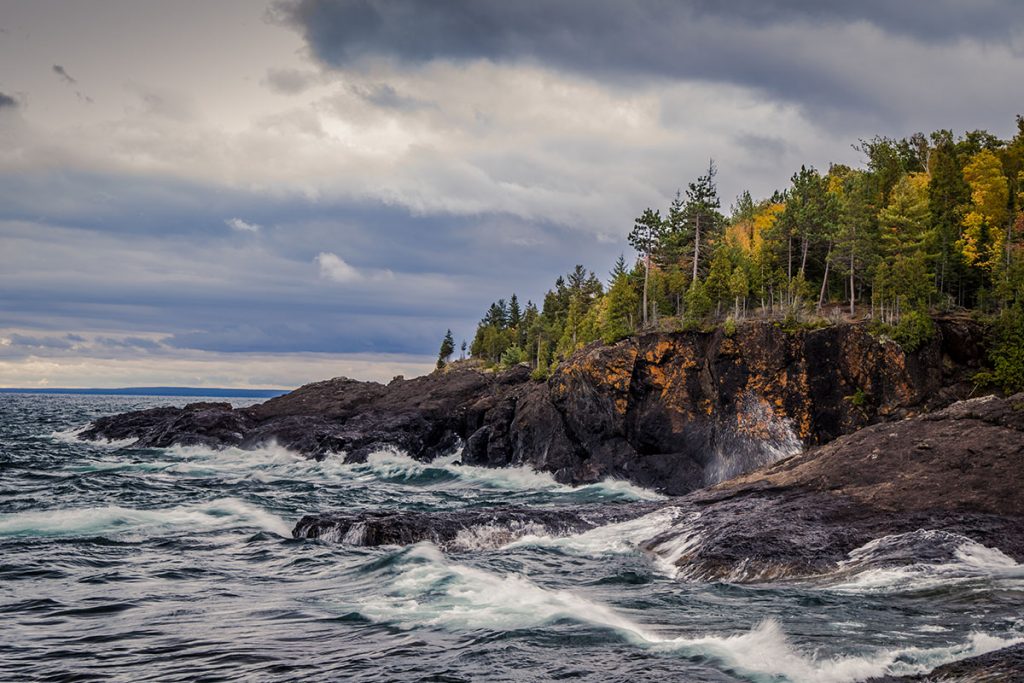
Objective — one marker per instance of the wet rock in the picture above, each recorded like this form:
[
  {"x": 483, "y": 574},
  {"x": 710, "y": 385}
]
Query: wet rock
[
  {"x": 673, "y": 412},
  {"x": 804, "y": 515},
  {"x": 1001, "y": 666},
  {"x": 467, "y": 529}
]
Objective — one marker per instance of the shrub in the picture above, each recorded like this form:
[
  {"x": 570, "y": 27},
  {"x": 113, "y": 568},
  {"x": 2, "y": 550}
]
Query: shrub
[
  {"x": 914, "y": 330},
  {"x": 729, "y": 327},
  {"x": 513, "y": 355},
  {"x": 1007, "y": 352}
]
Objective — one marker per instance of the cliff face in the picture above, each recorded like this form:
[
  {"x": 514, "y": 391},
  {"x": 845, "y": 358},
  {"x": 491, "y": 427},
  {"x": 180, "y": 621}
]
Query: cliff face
[
  {"x": 673, "y": 412},
  {"x": 680, "y": 411}
]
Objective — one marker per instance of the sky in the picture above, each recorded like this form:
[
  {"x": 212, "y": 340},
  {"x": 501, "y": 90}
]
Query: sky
[{"x": 263, "y": 194}]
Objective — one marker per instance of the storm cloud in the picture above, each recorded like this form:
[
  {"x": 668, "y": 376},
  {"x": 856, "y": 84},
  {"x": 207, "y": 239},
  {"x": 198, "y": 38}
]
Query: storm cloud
[
  {"x": 276, "y": 192},
  {"x": 829, "y": 57}
]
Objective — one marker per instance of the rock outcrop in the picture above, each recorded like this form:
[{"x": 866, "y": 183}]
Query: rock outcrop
[
  {"x": 1001, "y": 666},
  {"x": 674, "y": 412},
  {"x": 467, "y": 529},
  {"x": 893, "y": 493}
]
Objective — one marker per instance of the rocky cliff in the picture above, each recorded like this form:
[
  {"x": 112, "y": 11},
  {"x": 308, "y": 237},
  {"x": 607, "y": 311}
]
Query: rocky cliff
[{"x": 674, "y": 412}]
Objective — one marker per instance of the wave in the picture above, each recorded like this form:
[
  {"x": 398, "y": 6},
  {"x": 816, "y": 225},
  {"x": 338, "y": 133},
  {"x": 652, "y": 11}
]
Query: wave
[
  {"x": 396, "y": 466},
  {"x": 121, "y": 522},
  {"x": 73, "y": 434},
  {"x": 617, "y": 538},
  {"x": 271, "y": 462},
  {"x": 426, "y": 590},
  {"x": 923, "y": 560}
]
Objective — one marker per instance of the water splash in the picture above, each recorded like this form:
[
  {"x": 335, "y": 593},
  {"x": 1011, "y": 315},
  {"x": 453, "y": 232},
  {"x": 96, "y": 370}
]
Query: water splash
[{"x": 114, "y": 521}]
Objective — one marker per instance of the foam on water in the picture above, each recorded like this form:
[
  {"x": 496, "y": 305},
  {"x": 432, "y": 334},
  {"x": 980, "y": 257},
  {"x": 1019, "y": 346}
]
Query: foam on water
[
  {"x": 427, "y": 590},
  {"x": 271, "y": 462},
  {"x": 618, "y": 538},
  {"x": 890, "y": 564},
  {"x": 119, "y": 522},
  {"x": 392, "y": 464},
  {"x": 72, "y": 436}
]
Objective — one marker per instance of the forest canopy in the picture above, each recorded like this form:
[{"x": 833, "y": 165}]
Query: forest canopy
[{"x": 928, "y": 224}]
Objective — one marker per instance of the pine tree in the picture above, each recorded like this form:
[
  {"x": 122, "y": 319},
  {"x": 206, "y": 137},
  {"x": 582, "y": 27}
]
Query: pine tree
[
  {"x": 447, "y": 349},
  {"x": 645, "y": 238},
  {"x": 701, "y": 211}
]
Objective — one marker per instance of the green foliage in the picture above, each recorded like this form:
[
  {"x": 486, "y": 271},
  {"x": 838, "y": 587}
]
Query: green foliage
[
  {"x": 729, "y": 327},
  {"x": 446, "y": 351},
  {"x": 540, "y": 373},
  {"x": 914, "y": 330},
  {"x": 928, "y": 222},
  {"x": 513, "y": 355},
  {"x": 1007, "y": 351},
  {"x": 698, "y": 305},
  {"x": 858, "y": 398}
]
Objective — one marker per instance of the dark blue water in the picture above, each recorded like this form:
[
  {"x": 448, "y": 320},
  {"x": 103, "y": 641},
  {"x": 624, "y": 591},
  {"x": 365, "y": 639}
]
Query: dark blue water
[{"x": 119, "y": 563}]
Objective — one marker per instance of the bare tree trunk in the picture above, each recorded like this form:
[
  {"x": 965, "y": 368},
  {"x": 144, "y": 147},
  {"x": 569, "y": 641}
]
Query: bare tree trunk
[
  {"x": 824, "y": 280},
  {"x": 789, "y": 258},
  {"x": 647, "y": 274},
  {"x": 696, "y": 248},
  {"x": 853, "y": 292},
  {"x": 805, "y": 245}
]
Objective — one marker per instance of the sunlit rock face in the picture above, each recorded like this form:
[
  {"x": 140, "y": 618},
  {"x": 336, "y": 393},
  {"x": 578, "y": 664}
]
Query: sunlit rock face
[
  {"x": 681, "y": 411},
  {"x": 670, "y": 411}
]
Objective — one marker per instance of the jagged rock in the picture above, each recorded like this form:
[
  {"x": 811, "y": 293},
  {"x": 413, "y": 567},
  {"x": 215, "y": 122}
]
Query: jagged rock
[
  {"x": 674, "y": 412},
  {"x": 1001, "y": 666},
  {"x": 958, "y": 470},
  {"x": 461, "y": 529}
]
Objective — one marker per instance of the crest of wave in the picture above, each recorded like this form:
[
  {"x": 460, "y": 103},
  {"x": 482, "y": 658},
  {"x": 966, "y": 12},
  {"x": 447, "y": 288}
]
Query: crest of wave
[{"x": 424, "y": 589}]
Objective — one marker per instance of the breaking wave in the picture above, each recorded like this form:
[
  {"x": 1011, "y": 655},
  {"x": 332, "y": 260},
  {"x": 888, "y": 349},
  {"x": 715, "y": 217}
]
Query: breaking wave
[
  {"x": 425, "y": 589},
  {"x": 924, "y": 560},
  {"x": 119, "y": 522}
]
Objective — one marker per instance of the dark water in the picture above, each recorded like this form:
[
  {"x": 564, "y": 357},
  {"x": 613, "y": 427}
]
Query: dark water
[{"x": 139, "y": 564}]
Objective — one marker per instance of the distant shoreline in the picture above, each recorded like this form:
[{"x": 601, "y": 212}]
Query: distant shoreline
[{"x": 153, "y": 391}]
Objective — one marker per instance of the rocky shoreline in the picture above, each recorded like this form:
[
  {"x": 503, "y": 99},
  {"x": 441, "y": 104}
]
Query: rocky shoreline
[
  {"x": 672, "y": 412},
  {"x": 786, "y": 455}
]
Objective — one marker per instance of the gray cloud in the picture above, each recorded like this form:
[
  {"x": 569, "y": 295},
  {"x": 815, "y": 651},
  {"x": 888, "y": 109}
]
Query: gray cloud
[
  {"x": 7, "y": 102},
  {"x": 64, "y": 75},
  {"x": 385, "y": 96},
  {"x": 801, "y": 51},
  {"x": 290, "y": 81}
]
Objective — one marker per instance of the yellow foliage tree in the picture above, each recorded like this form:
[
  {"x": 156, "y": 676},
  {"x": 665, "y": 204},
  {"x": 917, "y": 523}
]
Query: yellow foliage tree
[{"x": 983, "y": 237}]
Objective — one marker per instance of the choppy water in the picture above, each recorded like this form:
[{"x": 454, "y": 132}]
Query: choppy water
[{"x": 145, "y": 564}]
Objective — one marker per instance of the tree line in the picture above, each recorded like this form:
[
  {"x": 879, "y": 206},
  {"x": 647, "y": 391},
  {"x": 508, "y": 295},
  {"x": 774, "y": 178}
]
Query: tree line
[{"x": 928, "y": 224}]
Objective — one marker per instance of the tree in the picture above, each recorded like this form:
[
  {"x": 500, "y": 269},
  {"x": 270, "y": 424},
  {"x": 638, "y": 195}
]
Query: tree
[
  {"x": 739, "y": 287},
  {"x": 947, "y": 192},
  {"x": 463, "y": 348},
  {"x": 904, "y": 225},
  {"x": 984, "y": 224},
  {"x": 701, "y": 211},
  {"x": 447, "y": 349},
  {"x": 645, "y": 238},
  {"x": 617, "y": 317}
]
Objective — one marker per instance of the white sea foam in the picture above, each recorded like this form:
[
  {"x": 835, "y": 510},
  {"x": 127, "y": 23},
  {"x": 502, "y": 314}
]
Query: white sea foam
[
  {"x": 119, "y": 522},
  {"x": 271, "y": 462},
  {"x": 73, "y": 434},
  {"x": 392, "y": 464},
  {"x": 429, "y": 591},
  {"x": 618, "y": 538},
  {"x": 875, "y": 566}
]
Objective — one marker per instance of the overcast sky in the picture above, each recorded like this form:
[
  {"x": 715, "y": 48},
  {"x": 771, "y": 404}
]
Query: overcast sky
[{"x": 238, "y": 193}]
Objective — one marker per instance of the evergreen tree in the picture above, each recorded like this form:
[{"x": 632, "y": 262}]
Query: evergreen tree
[
  {"x": 701, "y": 212},
  {"x": 447, "y": 349},
  {"x": 645, "y": 238},
  {"x": 618, "y": 314}
]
